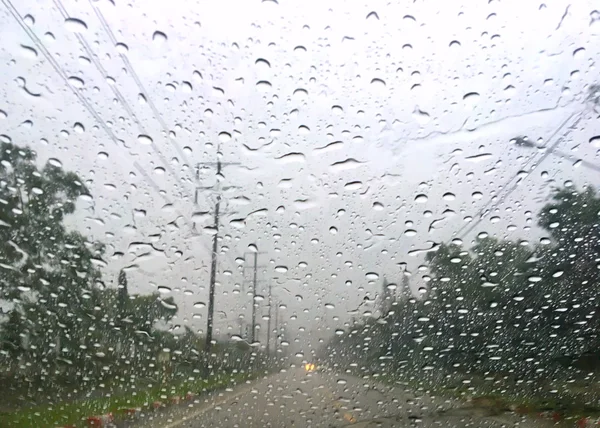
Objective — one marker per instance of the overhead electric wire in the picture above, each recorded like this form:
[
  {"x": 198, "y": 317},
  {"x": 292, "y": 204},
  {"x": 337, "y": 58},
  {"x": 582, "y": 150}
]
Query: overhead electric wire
[
  {"x": 142, "y": 89},
  {"x": 465, "y": 230},
  {"x": 137, "y": 81},
  {"x": 8, "y": 4},
  {"x": 115, "y": 90}
]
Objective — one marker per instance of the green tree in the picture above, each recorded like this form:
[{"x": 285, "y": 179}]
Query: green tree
[
  {"x": 64, "y": 327},
  {"x": 569, "y": 309},
  {"x": 33, "y": 239},
  {"x": 517, "y": 314}
]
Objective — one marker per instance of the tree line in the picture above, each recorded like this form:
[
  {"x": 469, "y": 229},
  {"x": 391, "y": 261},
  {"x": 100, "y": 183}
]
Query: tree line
[
  {"x": 502, "y": 315},
  {"x": 63, "y": 328}
]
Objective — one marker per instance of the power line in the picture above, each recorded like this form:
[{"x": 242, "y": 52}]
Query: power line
[
  {"x": 115, "y": 90},
  {"x": 595, "y": 100},
  {"x": 107, "y": 130},
  {"x": 465, "y": 230},
  {"x": 119, "y": 143},
  {"x": 137, "y": 80},
  {"x": 583, "y": 162}
]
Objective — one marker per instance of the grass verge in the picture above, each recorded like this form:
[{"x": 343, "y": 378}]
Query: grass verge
[
  {"x": 564, "y": 410},
  {"x": 75, "y": 413}
]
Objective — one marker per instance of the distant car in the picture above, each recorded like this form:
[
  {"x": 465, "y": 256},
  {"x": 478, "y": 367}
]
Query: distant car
[{"x": 309, "y": 367}]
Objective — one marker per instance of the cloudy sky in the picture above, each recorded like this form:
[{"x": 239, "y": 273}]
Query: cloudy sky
[{"x": 361, "y": 133}]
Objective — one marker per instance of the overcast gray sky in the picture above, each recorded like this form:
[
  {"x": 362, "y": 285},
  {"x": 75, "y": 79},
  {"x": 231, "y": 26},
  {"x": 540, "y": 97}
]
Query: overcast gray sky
[{"x": 340, "y": 115}]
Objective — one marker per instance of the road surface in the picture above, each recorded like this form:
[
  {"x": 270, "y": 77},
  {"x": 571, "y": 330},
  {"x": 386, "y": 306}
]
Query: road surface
[{"x": 295, "y": 398}]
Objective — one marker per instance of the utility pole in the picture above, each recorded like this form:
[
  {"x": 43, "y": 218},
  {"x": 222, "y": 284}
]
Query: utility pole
[
  {"x": 241, "y": 323},
  {"x": 269, "y": 331},
  {"x": 213, "y": 261},
  {"x": 254, "y": 299},
  {"x": 255, "y": 282},
  {"x": 276, "y": 325},
  {"x": 213, "y": 273},
  {"x": 269, "y": 324}
]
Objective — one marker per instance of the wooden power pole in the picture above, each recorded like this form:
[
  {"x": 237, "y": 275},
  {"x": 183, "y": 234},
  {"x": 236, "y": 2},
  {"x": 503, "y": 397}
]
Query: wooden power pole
[{"x": 214, "y": 255}]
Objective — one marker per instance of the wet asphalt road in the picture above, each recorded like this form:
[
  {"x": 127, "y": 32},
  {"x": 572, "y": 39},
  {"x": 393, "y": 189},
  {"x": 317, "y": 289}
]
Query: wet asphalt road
[{"x": 296, "y": 398}]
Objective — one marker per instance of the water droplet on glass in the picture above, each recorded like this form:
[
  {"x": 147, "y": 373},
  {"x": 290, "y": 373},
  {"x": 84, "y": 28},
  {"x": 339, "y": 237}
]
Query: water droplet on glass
[
  {"x": 186, "y": 86},
  {"x": 410, "y": 232},
  {"x": 163, "y": 290},
  {"x": 79, "y": 128},
  {"x": 159, "y": 37},
  {"x": 55, "y": 162},
  {"x": 76, "y": 82},
  {"x": 421, "y": 116},
  {"x": 579, "y": 53},
  {"x": 329, "y": 306},
  {"x": 75, "y": 25},
  {"x": 455, "y": 44},
  {"x": 345, "y": 165},
  {"x": 29, "y": 20},
  {"x": 449, "y": 196},
  {"x": 337, "y": 110},
  {"x": 263, "y": 85},
  {"x": 281, "y": 269},
  {"x": 122, "y": 48},
  {"x": 377, "y": 206},
  {"x": 261, "y": 62},
  {"x": 373, "y": 15},
  {"x": 471, "y": 99},
  {"x": 292, "y": 158},
  {"x": 372, "y": 276},
  {"x": 303, "y": 130},
  {"x": 29, "y": 52},
  {"x": 353, "y": 185},
  {"x": 421, "y": 199},
  {"x": 144, "y": 139},
  {"x": 378, "y": 83},
  {"x": 300, "y": 94},
  {"x": 224, "y": 137},
  {"x": 199, "y": 305}
]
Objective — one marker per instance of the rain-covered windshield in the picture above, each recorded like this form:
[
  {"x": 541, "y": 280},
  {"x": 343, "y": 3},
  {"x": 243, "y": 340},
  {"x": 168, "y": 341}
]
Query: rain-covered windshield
[{"x": 307, "y": 213}]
